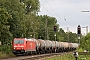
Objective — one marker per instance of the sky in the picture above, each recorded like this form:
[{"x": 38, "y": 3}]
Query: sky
[{"x": 68, "y": 13}]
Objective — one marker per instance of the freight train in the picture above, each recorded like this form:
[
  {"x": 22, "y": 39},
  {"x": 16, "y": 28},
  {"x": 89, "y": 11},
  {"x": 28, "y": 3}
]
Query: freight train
[{"x": 38, "y": 46}]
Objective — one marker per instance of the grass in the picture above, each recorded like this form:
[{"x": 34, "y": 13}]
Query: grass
[
  {"x": 84, "y": 57},
  {"x": 4, "y": 55},
  {"x": 69, "y": 57},
  {"x": 62, "y": 57}
]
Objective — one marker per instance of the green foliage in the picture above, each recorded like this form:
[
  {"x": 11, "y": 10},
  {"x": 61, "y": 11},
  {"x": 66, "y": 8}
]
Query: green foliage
[
  {"x": 5, "y": 33},
  {"x": 5, "y": 49},
  {"x": 61, "y": 35},
  {"x": 73, "y": 37},
  {"x": 84, "y": 57},
  {"x": 32, "y": 25},
  {"x": 62, "y": 57},
  {"x": 69, "y": 57},
  {"x": 80, "y": 50},
  {"x": 19, "y": 18},
  {"x": 31, "y": 6},
  {"x": 46, "y": 24},
  {"x": 85, "y": 42}
]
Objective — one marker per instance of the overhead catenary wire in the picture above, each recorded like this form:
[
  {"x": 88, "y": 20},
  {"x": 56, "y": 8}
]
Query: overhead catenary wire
[
  {"x": 76, "y": 9},
  {"x": 52, "y": 9},
  {"x": 66, "y": 15},
  {"x": 46, "y": 10},
  {"x": 57, "y": 14}
]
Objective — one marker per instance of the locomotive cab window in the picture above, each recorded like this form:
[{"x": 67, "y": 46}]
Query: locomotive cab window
[{"x": 18, "y": 41}]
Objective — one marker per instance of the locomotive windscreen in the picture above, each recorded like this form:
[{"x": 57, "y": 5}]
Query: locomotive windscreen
[{"x": 18, "y": 41}]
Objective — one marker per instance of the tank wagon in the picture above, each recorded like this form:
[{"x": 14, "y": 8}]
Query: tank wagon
[{"x": 39, "y": 46}]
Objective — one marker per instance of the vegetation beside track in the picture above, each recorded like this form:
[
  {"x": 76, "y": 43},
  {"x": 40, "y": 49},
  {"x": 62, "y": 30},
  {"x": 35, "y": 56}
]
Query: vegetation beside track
[
  {"x": 62, "y": 57},
  {"x": 4, "y": 55},
  {"x": 5, "y": 51},
  {"x": 69, "y": 57}
]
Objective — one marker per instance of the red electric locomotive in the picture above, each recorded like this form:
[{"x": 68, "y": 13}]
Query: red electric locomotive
[{"x": 23, "y": 46}]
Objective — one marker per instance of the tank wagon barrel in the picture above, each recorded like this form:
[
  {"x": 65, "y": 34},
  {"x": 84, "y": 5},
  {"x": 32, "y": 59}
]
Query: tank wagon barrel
[
  {"x": 48, "y": 43},
  {"x": 48, "y": 46},
  {"x": 42, "y": 43}
]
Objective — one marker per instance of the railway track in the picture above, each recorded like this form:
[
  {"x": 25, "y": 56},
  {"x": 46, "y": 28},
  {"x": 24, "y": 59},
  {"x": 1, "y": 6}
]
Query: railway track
[{"x": 35, "y": 57}]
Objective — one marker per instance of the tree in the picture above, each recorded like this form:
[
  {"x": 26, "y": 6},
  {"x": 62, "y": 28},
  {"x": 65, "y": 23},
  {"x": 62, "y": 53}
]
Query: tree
[
  {"x": 4, "y": 28},
  {"x": 17, "y": 9},
  {"x": 85, "y": 42},
  {"x": 46, "y": 24},
  {"x": 31, "y": 6},
  {"x": 32, "y": 25},
  {"x": 72, "y": 37},
  {"x": 61, "y": 35}
]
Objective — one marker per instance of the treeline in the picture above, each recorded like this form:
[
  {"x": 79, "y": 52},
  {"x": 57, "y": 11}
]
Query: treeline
[
  {"x": 19, "y": 18},
  {"x": 85, "y": 42}
]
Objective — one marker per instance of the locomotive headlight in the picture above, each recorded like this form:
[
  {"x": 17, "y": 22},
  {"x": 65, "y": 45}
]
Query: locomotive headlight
[
  {"x": 14, "y": 48},
  {"x": 22, "y": 48}
]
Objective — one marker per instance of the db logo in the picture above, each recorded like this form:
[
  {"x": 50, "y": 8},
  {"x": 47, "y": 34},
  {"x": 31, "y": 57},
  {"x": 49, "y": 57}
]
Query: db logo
[{"x": 31, "y": 45}]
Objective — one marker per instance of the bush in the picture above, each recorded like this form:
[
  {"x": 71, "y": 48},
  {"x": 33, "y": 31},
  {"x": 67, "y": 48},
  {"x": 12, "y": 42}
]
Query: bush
[{"x": 6, "y": 49}]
